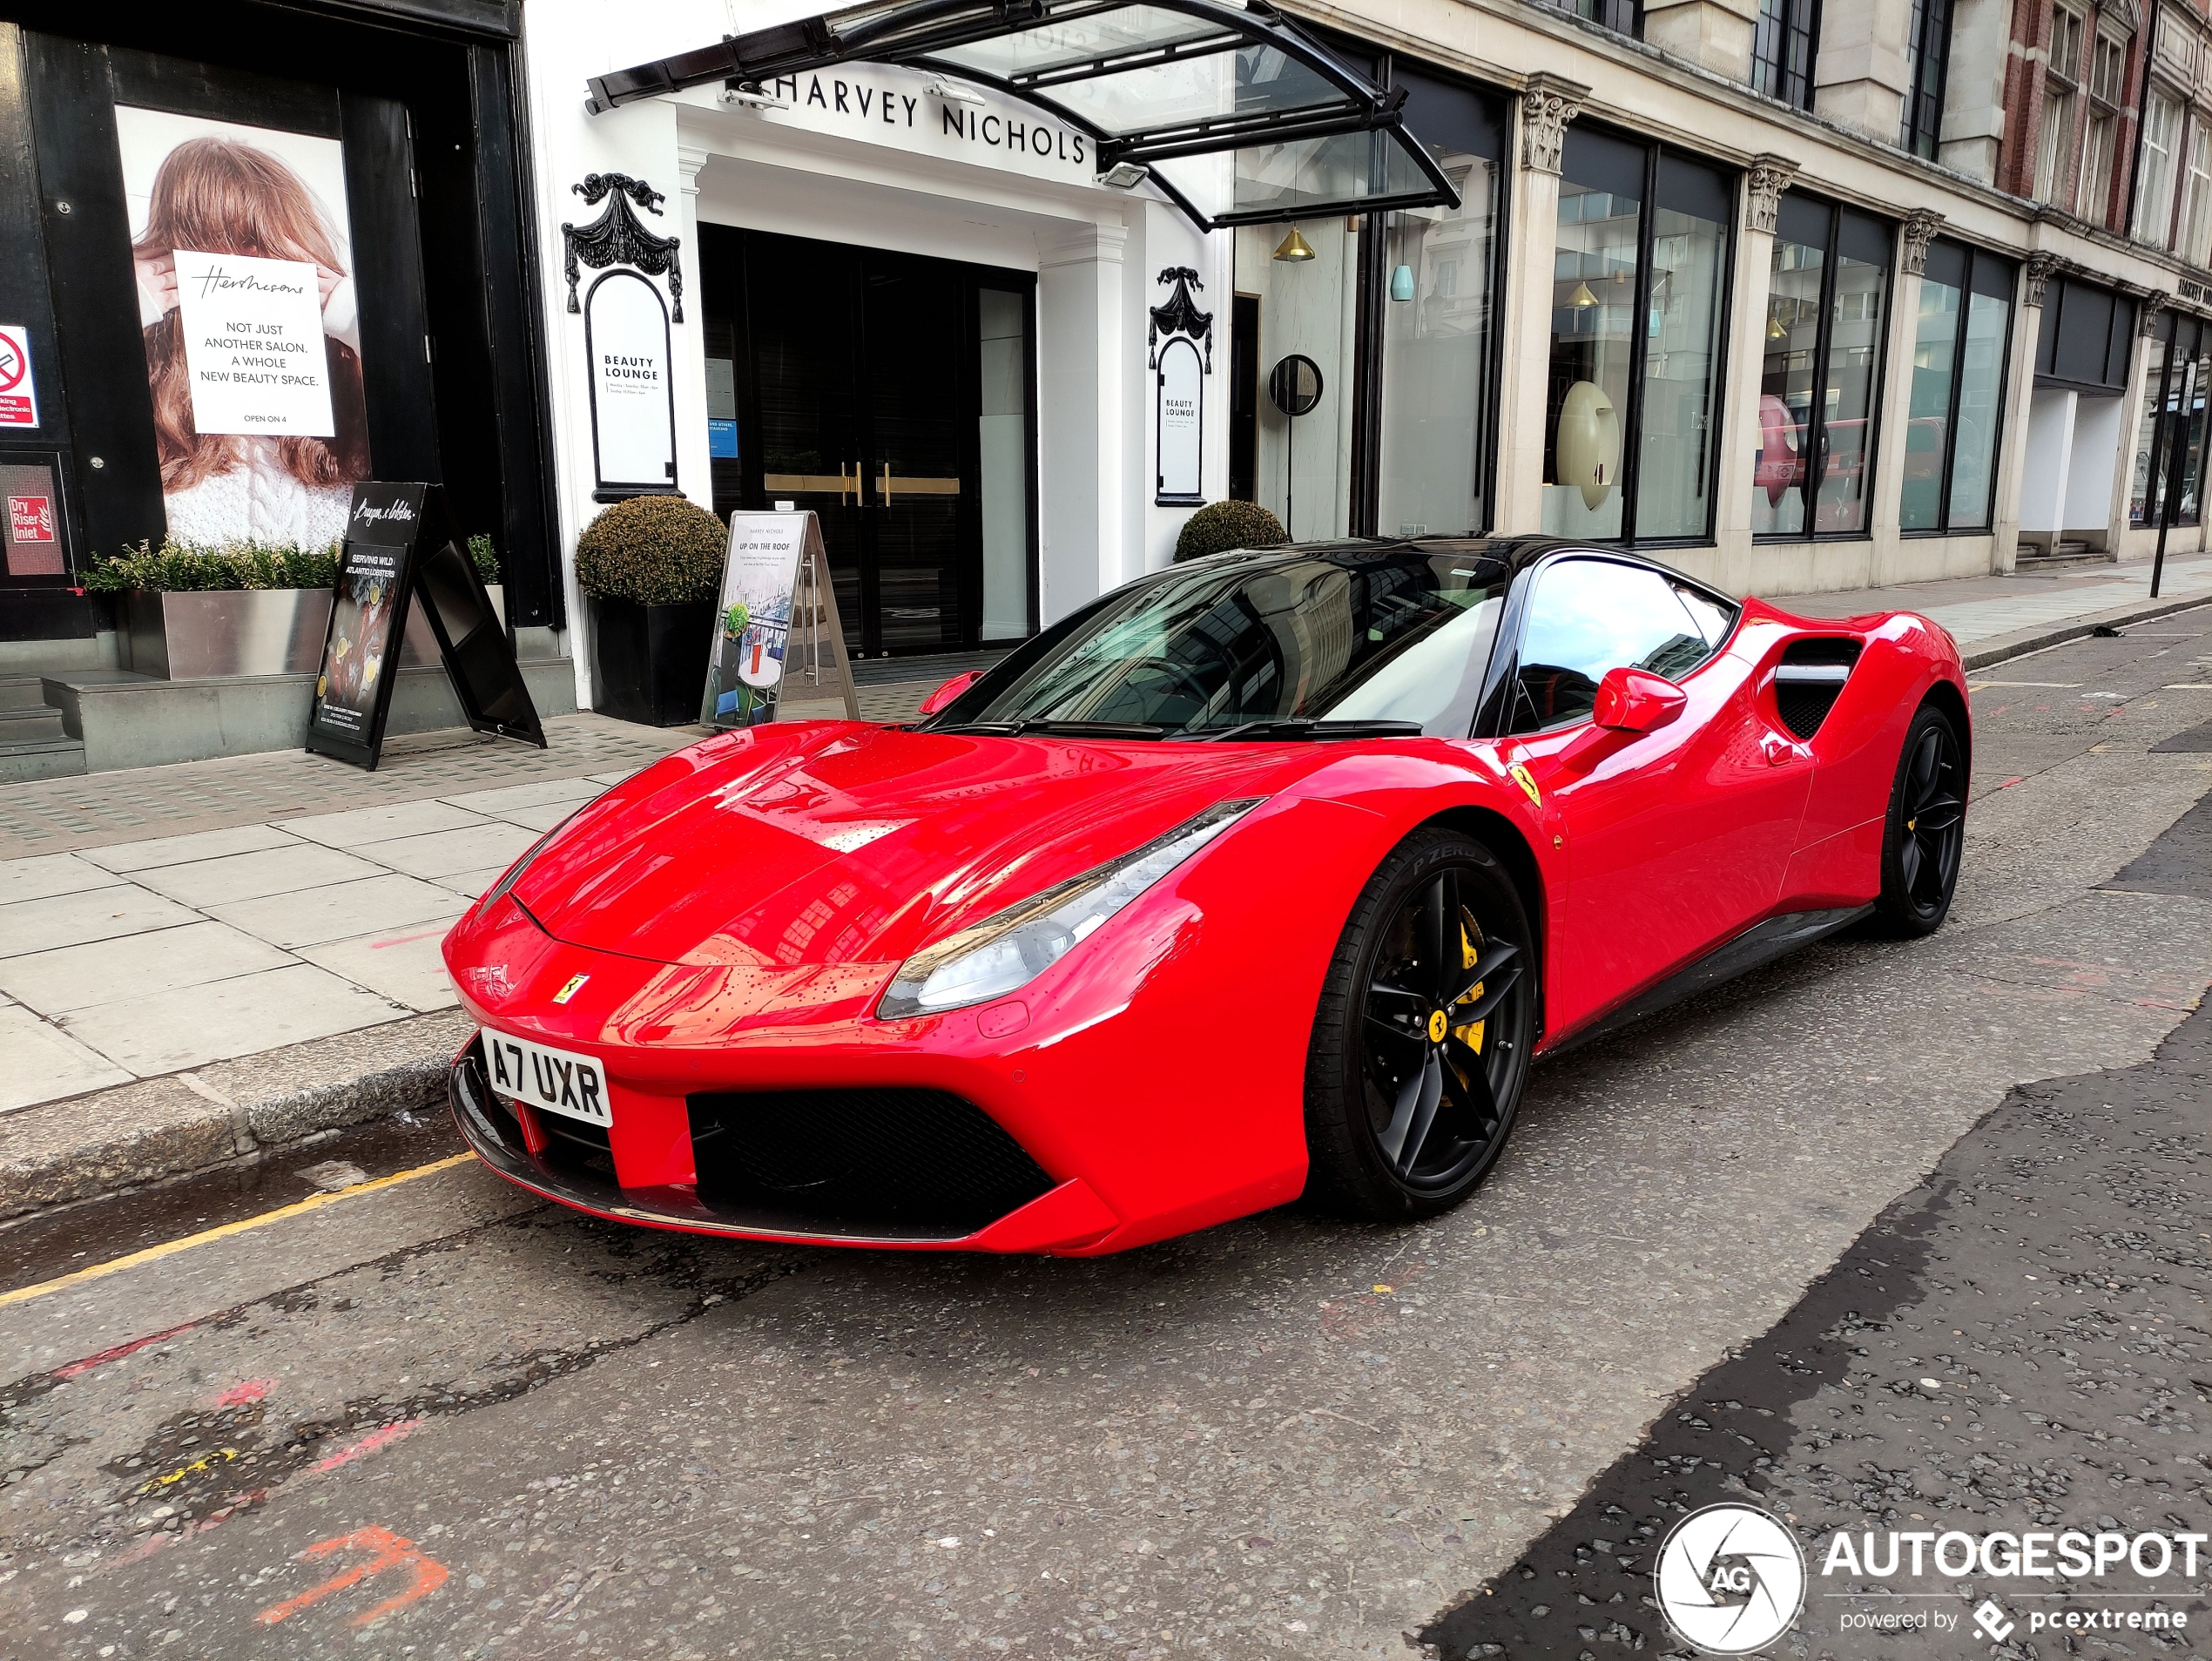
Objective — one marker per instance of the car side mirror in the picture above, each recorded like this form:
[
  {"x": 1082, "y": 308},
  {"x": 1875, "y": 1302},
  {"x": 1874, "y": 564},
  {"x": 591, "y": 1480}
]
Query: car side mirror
[
  {"x": 951, "y": 690},
  {"x": 1636, "y": 700}
]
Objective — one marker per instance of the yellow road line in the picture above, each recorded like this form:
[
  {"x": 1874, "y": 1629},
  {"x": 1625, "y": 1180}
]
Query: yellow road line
[{"x": 155, "y": 1254}]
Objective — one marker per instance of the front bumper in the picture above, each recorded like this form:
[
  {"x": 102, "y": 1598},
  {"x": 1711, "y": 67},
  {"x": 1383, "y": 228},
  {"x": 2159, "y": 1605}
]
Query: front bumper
[{"x": 1004, "y": 1202}]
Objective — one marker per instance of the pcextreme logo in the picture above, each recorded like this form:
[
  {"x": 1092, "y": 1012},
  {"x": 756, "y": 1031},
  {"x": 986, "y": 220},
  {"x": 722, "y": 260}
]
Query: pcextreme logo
[{"x": 1732, "y": 1579}]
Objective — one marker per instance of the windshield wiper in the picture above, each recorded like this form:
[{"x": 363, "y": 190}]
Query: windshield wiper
[
  {"x": 1294, "y": 728},
  {"x": 1058, "y": 729}
]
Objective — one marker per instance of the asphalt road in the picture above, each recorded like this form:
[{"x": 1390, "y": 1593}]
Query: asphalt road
[{"x": 432, "y": 1418}]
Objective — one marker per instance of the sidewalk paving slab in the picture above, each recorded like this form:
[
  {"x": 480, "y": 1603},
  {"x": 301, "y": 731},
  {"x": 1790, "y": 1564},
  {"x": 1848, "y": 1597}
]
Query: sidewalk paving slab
[
  {"x": 341, "y": 911},
  {"x": 131, "y": 966},
  {"x": 96, "y": 913},
  {"x": 51, "y": 874},
  {"x": 254, "y": 876},
  {"x": 189, "y": 1027}
]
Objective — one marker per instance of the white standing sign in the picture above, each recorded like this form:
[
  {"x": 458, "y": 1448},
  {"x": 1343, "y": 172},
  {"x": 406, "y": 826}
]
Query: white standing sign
[
  {"x": 633, "y": 411},
  {"x": 254, "y": 346},
  {"x": 762, "y": 598}
]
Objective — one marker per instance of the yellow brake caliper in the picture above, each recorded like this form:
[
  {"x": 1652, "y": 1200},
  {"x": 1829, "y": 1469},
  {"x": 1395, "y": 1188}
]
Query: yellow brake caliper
[{"x": 1471, "y": 1034}]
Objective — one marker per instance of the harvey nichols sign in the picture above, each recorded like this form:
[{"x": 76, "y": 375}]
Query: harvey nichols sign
[{"x": 890, "y": 107}]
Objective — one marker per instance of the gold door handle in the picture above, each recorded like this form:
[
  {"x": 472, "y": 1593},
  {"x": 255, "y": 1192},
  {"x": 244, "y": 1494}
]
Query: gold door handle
[
  {"x": 888, "y": 486},
  {"x": 847, "y": 483}
]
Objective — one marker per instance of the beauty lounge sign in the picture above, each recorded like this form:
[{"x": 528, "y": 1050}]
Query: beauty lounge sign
[{"x": 885, "y": 105}]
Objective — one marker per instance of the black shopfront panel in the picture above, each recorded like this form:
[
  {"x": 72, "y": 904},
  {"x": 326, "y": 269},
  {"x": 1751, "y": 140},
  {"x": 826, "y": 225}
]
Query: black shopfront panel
[{"x": 386, "y": 147}]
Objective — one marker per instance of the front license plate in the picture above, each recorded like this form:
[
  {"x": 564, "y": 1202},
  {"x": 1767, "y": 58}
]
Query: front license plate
[{"x": 556, "y": 1080}]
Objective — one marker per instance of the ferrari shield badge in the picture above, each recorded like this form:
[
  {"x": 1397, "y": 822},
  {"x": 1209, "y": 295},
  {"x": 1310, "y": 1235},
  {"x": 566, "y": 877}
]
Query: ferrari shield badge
[
  {"x": 575, "y": 985},
  {"x": 1526, "y": 780}
]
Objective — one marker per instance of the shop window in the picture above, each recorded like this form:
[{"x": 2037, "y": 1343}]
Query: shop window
[
  {"x": 1642, "y": 253},
  {"x": 2155, "y": 171},
  {"x": 2061, "y": 95},
  {"x": 2178, "y": 375},
  {"x": 1927, "y": 58},
  {"x": 1825, "y": 322},
  {"x": 1439, "y": 334},
  {"x": 1782, "y": 48},
  {"x": 1956, "y": 408},
  {"x": 1302, "y": 283}
]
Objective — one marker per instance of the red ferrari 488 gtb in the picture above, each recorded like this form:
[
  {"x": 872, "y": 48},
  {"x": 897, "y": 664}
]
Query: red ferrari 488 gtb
[{"x": 1265, "y": 876}]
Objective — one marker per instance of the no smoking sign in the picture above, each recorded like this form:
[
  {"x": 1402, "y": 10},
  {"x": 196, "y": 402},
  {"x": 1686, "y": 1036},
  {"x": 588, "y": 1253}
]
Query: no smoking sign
[{"x": 18, "y": 390}]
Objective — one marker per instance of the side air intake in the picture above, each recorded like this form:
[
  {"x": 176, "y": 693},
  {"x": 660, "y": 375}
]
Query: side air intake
[{"x": 1807, "y": 681}]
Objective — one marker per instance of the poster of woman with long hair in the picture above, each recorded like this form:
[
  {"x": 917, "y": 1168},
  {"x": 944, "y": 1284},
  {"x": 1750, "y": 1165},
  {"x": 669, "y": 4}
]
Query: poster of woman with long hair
[{"x": 244, "y": 260}]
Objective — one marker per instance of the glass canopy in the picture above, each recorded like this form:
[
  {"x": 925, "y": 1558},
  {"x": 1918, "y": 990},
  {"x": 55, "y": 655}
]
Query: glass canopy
[{"x": 1235, "y": 114}]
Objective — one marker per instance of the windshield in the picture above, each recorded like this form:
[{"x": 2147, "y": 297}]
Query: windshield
[{"x": 1348, "y": 635}]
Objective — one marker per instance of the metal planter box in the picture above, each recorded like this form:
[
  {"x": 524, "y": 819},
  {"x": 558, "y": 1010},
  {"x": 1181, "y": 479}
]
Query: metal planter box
[{"x": 246, "y": 632}]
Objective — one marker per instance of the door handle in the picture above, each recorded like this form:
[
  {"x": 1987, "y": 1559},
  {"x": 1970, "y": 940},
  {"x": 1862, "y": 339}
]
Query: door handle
[
  {"x": 1776, "y": 749},
  {"x": 887, "y": 487},
  {"x": 847, "y": 481}
]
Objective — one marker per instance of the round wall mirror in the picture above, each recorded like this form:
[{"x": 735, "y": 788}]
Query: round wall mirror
[{"x": 1294, "y": 385}]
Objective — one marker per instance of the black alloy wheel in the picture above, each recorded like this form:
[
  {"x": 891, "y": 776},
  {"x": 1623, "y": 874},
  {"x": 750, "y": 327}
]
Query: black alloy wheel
[
  {"x": 1421, "y": 1041},
  {"x": 1926, "y": 837}
]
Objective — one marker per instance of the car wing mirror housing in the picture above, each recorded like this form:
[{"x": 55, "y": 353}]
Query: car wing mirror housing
[
  {"x": 1636, "y": 700},
  {"x": 951, "y": 690}
]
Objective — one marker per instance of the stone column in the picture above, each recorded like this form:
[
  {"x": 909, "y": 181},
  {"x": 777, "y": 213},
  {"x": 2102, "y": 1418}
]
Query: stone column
[
  {"x": 1712, "y": 34},
  {"x": 1547, "y": 104},
  {"x": 1081, "y": 457},
  {"x": 1859, "y": 71},
  {"x": 2019, "y": 404},
  {"x": 686, "y": 341},
  {"x": 1887, "y": 550},
  {"x": 1737, "y": 442}
]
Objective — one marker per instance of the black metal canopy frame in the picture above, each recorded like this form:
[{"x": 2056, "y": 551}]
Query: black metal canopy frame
[{"x": 1237, "y": 114}]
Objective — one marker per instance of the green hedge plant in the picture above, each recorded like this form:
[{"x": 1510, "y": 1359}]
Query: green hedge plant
[
  {"x": 201, "y": 568},
  {"x": 1220, "y": 526},
  {"x": 195, "y": 568},
  {"x": 653, "y": 551}
]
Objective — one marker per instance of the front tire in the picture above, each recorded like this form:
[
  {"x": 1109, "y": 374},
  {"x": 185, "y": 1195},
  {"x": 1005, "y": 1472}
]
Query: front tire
[
  {"x": 1926, "y": 832},
  {"x": 1422, "y": 1037}
]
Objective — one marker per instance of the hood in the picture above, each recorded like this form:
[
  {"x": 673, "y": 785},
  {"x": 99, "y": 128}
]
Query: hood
[{"x": 827, "y": 842}]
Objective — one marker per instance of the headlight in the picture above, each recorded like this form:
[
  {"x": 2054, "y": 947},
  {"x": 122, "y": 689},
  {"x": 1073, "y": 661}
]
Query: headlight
[
  {"x": 1018, "y": 944},
  {"x": 515, "y": 871}
]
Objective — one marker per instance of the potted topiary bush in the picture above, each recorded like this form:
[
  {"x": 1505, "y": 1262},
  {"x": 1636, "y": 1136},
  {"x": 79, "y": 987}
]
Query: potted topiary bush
[
  {"x": 652, "y": 566},
  {"x": 1220, "y": 526}
]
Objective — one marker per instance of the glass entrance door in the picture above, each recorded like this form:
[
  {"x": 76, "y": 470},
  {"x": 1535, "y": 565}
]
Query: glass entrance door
[{"x": 875, "y": 389}]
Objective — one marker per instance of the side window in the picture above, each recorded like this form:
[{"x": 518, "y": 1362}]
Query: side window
[{"x": 1588, "y": 616}]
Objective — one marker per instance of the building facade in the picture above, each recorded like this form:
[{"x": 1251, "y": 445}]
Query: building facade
[
  {"x": 1807, "y": 294},
  {"x": 1803, "y": 294}
]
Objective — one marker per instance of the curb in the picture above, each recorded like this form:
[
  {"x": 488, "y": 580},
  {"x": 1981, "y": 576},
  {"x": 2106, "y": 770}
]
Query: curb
[
  {"x": 87, "y": 1146},
  {"x": 2004, "y": 647}
]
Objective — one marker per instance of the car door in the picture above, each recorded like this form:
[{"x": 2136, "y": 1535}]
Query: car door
[{"x": 1673, "y": 839}]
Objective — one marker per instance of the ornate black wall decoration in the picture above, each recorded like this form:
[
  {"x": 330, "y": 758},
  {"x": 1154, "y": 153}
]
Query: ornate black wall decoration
[
  {"x": 617, "y": 238},
  {"x": 1180, "y": 315},
  {"x": 1179, "y": 391}
]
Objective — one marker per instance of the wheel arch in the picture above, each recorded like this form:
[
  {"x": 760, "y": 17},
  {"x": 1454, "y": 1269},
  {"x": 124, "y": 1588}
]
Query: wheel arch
[
  {"x": 1505, "y": 840},
  {"x": 1947, "y": 696}
]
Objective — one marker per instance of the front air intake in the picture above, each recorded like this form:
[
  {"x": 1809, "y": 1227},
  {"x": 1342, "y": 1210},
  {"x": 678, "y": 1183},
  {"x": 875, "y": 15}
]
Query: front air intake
[
  {"x": 1809, "y": 679},
  {"x": 908, "y": 1163}
]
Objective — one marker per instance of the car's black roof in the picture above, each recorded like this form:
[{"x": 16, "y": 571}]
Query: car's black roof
[{"x": 1515, "y": 553}]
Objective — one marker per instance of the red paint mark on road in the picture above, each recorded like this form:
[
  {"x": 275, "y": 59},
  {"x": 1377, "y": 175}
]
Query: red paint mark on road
[
  {"x": 388, "y": 1551},
  {"x": 76, "y": 1368},
  {"x": 401, "y": 940},
  {"x": 2010, "y": 782},
  {"x": 244, "y": 1394},
  {"x": 382, "y": 1437}
]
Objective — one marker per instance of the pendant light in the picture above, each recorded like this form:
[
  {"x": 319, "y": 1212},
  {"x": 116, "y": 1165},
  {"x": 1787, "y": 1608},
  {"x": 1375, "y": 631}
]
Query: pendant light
[
  {"x": 1294, "y": 247},
  {"x": 1401, "y": 283},
  {"x": 1581, "y": 299}
]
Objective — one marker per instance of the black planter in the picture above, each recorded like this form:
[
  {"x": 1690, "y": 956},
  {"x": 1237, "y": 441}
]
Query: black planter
[{"x": 649, "y": 662}]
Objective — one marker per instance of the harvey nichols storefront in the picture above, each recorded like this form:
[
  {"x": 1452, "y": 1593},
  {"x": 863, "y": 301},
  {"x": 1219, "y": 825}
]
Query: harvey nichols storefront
[{"x": 1003, "y": 302}]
